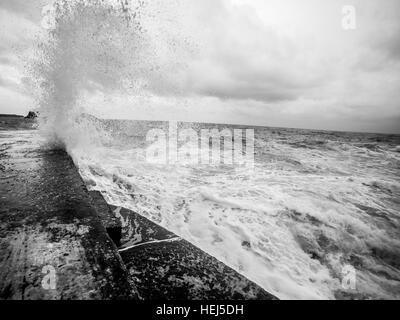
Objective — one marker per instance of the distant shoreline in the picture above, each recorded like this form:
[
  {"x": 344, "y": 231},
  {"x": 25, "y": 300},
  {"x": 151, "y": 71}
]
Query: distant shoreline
[
  {"x": 11, "y": 116},
  {"x": 227, "y": 124},
  {"x": 16, "y": 122}
]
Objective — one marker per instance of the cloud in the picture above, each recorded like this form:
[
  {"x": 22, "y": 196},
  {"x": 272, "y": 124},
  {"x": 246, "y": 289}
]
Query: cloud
[
  {"x": 5, "y": 60},
  {"x": 236, "y": 56},
  {"x": 279, "y": 63},
  {"x": 17, "y": 35},
  {"x": 31, "y": 9},
  {"x": 6, "y": 83}
]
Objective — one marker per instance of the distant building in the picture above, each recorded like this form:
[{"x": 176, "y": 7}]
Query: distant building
[{"x": 32, "y": 115}]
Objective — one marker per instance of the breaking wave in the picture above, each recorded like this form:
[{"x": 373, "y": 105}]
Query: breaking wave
[
  {"x": 103, "y": 49},
  {"x": 293, "y": 225}
]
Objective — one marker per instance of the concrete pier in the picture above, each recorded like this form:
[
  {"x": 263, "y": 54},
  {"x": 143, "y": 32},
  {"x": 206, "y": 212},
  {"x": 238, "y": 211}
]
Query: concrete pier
[{"x": 53, "y": 244}]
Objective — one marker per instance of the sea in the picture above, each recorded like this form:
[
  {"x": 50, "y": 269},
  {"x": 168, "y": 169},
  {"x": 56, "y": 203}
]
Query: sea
[{"x": 315, "y": 216}]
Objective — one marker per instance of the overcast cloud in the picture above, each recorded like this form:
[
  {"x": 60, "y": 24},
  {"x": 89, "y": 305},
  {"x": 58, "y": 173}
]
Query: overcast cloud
[{"x": 264, "y": 62}]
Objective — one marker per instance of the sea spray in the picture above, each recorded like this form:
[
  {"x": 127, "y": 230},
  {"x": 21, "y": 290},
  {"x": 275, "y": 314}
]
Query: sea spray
[
  {"x": 76, "y": 54},
  {"x": 101, "y": 48}
]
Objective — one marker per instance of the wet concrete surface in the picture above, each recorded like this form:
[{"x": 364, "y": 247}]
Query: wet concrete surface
[
  {"x": 108, "y": 218},
  {"x": 52, "y": 242}
]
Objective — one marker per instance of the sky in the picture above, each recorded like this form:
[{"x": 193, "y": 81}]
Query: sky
[{"x": 286, "y": 63}]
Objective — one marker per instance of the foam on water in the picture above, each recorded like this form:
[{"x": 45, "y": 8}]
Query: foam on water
[{"x": 292, "y": 225}]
